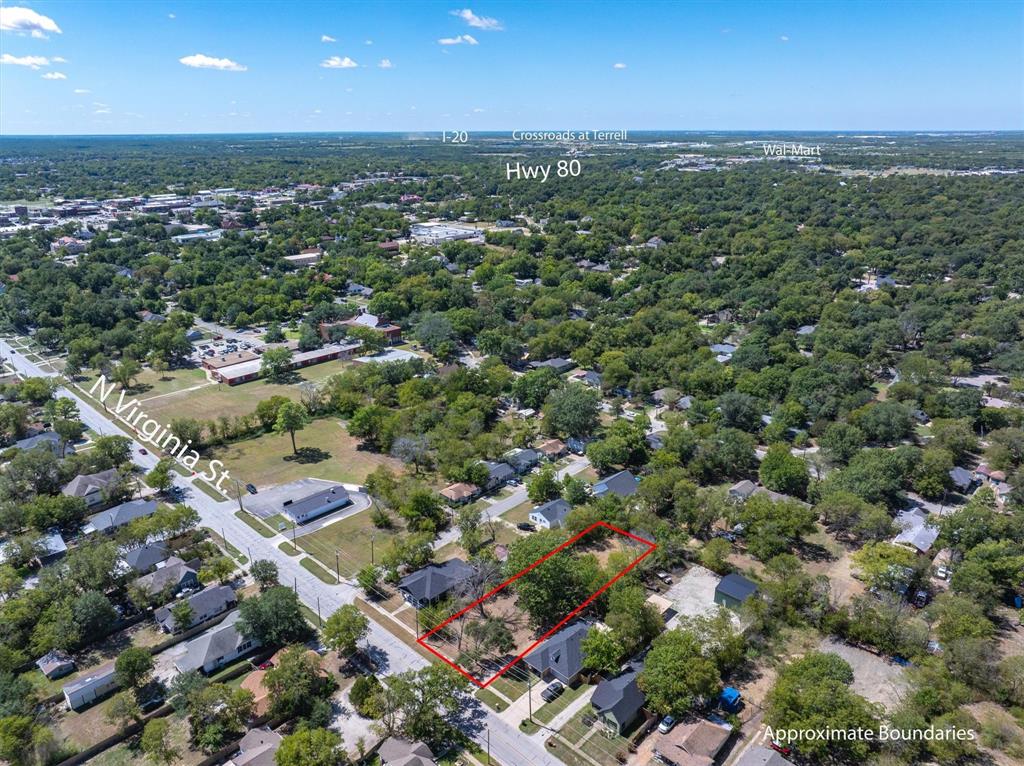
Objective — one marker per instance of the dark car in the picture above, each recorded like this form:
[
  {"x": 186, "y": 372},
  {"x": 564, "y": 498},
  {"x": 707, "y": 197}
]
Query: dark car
[
  {"x": 526, "y": 526},
  {"x": 552, "y": 692},
  {"x": 250, "y": 488}
]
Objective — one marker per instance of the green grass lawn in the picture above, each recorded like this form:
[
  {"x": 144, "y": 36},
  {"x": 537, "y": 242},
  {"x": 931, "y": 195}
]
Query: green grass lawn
[
  {"x": 255, "y": 523},
  {"x": 489, "y": 698},
  {"x": 288, "y": 548},
  {"x": 351, "y": 539},
  {"x": 547, "y": 712},
  {"x": 150, "y": 383},
  {"x": 518, "y": 514},
  {"x": 326, "y": 451},
  {"x": 511, "y": 688},
  {"x": 311, "y": 566},
  {"x": 210, "y": 402}
]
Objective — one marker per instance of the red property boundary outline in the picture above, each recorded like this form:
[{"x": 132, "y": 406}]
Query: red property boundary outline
[{"x": 483, "y": 685}]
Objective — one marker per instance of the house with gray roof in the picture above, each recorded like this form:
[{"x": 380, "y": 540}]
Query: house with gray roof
[
  {"x": 733, "y": 589},
  {"x": 434, "y": 581},
  {"x": 560, "y": 655},
  {"x": 257, "y": 748},
  {"x": 761, "y": 756},
  {"x": 206, "y": 604},
  {"x": 314, "y": 505},
  {"x": 395, "y": 751},
  {"x": 90, "y": 487},
  {"x": 144, "y": 559},
  {"x": 962, "y": 479},
  {"x": 915, "y": 531},
  {"x": 618, "y": 701},
  {"x": 108, "y": 521},
  {"x": 499, "y": 474},
  {"x": 171, "y": 578},
  {"x": 47, "y": 440},
  {"x": 216, "y": 647},
  {"x": 551, "y": 515},
  {"x": 622, "y": 484},
  {"x": 558, "y": 364},
  {"x": 55, "y": 664},
  {"x": 523, "y": 460}
]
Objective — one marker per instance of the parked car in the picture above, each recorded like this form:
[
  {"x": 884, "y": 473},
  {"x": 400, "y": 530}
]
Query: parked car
[
  {"x": 666, "y": 724},
  {"x": 665, "y": 577},
  {"x": 921, "y": 599},
  {"x": 942, "y": 573},
  {"x": 779, "y": 747},
  {"x": 143, "y": 451},
  {"x": 250, "y": 488},
  {"x": 526, "y": 526},
  {"x": 552, "y": 692}
]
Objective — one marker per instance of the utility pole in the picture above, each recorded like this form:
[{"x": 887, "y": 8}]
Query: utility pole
[
  {"x": 319, "y": 619},
  {"x": 238, "y": 492},
  {"x": 529, "y": 691},
  {"x": 372, "y": 537},
  {"x": 488, "y": 745},
  {"x": 337, "y": 566}
]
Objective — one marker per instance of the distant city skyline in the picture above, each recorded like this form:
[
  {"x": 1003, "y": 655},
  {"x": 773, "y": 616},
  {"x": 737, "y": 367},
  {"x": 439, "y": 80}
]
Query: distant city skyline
[{"x": 79, "y": 68}]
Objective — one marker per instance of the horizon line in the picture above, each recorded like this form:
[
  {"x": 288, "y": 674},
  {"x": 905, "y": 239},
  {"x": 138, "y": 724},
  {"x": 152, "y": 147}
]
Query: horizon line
[{"x": 864, "y": 132}]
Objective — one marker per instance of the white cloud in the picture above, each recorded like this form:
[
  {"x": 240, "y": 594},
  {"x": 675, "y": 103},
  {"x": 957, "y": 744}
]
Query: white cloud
[
  {"x": 458, "y": 40},
  {"x": 102, "y": 111},
  {"x": 478, "y": 110},
  {"x": 202, "y": 61},
  {"x": 618, "y": 65},
  {"x": 784, "y": 38},
  {"x": 386, "y": 64},
  {"x": 367, "y": 42},
  {"x": 82, "y": 91},
  {"x": 59, "y": 60},
  {"x": 171, "y": 16},
  {"x": 337, "y": 62},
  {"x": 25, "y": 21},
  {"x": 478, "y": 22},
  {"x": 33, "y": 62},
  {"x": 55, "y": 76},
  {"x": 327, "y": 39}
]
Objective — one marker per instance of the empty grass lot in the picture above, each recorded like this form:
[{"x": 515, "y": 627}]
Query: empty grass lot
[
  {"x": 150, "y": 383},
  {"x": 326, "y": 451},
  {"x": 350, "y": 538}
]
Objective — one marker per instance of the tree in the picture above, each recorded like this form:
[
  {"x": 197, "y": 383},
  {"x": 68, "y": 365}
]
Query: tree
[
  {"x": 933, "y": 479},
  {"x": 264, "y": 572},
  {"x": 220, "y": 568},
  {"x": 813, "y": 693},
  {"x": 468, "y": 522},
  {"x": 276, "y": 364},
  {"x": 602, "y": 651},
  {"x": 883, "y": 565},
  {"x": 841, "y": 441},
  {"x": 266, "y": 411},
  {"x": 783, "y": 472},
  {"x": 311, "y": 747},
  {"x": 160, "y": 477},
  {"x": 113, "y": 451},
  {"x": 291, "y": 417},
  {"x": 68, "y": 431},
  {"x": 125, "y": 372},
  {"x": 554, "y": 587},
  {"x": 94, "y": 614},
  {"x": 571, "y": 410},
  {"x": 367, "y": 578},
  {"x": 123, "y": 709},
  {"x": 773, "y": 527},
  {"x": 714, "y": 554},
  {"x": 217, "y": 714},
  {"x": 183, "y": 615},
  {"x": 574, "y": 491},
  {"x": 133, "y": 667},
  {"x": 345, "y": 629},
  {"x": 274, "y": 617},
  {"x": 543, "y": 485},
  {"x": 412, "y": 449},
  {"x": 154, "y": 741},
  {"x": 422, "y": 705},
  {"x": 296, "y": 683},
  {"x": 676, "y": 673}
]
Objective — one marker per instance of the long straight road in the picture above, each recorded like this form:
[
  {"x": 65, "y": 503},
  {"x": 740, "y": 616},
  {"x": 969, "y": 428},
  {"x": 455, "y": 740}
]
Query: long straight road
[{"x": 507, "y": 744}]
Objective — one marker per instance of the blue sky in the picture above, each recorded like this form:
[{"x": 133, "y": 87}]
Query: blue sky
[{"x": 91, "y": 66}]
